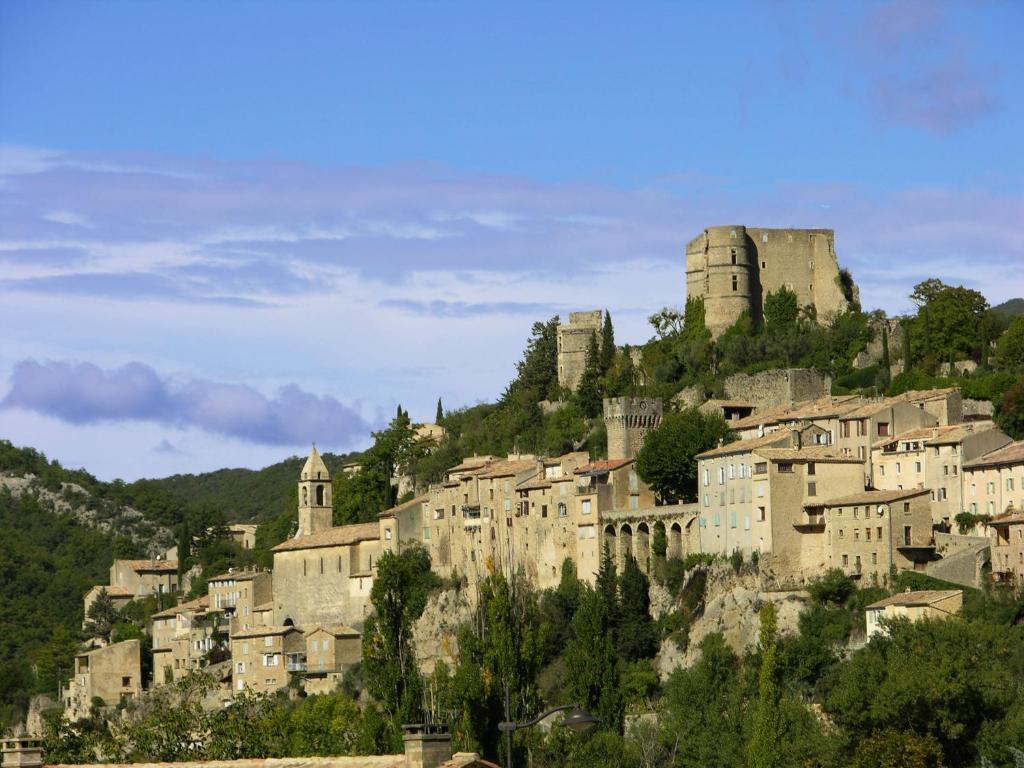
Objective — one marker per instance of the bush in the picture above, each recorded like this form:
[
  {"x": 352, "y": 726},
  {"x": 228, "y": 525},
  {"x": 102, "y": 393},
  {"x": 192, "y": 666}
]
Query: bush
[
  {"x": 834, "y": 587},
  {"x": 736, "y": 560}
]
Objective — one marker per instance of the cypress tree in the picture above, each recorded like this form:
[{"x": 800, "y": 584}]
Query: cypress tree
[
  {"x": 439, "y": 416},
  {"x": 764, "y": 750},
  {"x": 589, "y": 393},
  {"x": 607, "y": 343},
  {"x": 636, "y": 628},
  {"x": 886, "y": 372}
]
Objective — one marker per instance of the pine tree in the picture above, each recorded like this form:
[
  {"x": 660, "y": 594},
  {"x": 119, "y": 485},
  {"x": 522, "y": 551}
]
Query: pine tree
[
  {"x": 590, "y": 662},
  {"x": 101, "y": 617},
  {"x": 607, "y": 586},
  {"x": 589, "y": 394},
  {"x": 184, "y": 550},
  {"x": 439, "y": 416},
  {"x": 764, "y": 750},
  {"x": 607, "y": 344}
]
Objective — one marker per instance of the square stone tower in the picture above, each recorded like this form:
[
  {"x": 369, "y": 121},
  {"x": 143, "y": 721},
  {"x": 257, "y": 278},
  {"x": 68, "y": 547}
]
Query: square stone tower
[{"x": 573, "y": 340}]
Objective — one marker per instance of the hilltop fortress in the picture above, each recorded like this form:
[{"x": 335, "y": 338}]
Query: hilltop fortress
[{"x": 732, "y": 268}]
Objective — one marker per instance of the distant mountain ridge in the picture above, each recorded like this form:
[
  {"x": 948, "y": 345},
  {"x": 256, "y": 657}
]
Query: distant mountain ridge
[
  {"x": 1011, "y": 308},
  {"x": 241, "y": 495}
]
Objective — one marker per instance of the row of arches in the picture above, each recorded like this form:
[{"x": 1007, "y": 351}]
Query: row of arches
[{"x": 640, "y": 539}]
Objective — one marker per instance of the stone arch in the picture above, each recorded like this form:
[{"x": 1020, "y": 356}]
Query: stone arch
[
  {"x": 305, "y": 496},
  {"x": 319, "y": 495},
  {"x": 288, "y": 622},
  {"x": 659, "y": 533},
  {"x": 625, "y": 542},
  {"x": 675, "y": 541},
  {"x": 642, "y": 548}
]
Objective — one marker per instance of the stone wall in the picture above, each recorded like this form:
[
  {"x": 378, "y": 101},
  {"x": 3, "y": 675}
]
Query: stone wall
[
  {"x": 784, "y": 386},
  {"x": 963, "y": 559},
  {"x": 628, "y": 420}
]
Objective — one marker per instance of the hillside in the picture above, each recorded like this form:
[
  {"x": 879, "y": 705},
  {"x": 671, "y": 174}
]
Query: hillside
[
  {"x": 239, "y": 495},
  {"x": 1011, "y": 308}
]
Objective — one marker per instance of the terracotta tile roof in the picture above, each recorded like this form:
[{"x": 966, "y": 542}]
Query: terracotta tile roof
[
  {"x": 824, "y": 407},
  {"x": 241, "y": 574},
  {"x": 404, "y": 505},
  {"x": 868, "y": 409},
  {"x": 1011, "y": 516},
  {"x": 921, "y": 395},
  {"x": 264, "y": 607},
  {"x": 815, "y": 453},
  {"x": 920, "y": 597},
  {"x": 264, "y": 631},
  {"x": 933, "y": 435},
  {"x": 601, "y": 467},
  {"x": 875, "y": 497},
  {"x": 1008, "y": 454},
  {"x": 472, "y": 464},
  {"x": 161, "y": 566},
  {"x": 332, "y": 537},
  {"x": 535, "y": 483},
  {"x": 371, "y": 761},
  {"x": 113, "y": 591},
  {"x": 199, "y": 605},
  {"x": 509, "y": 467},
  {"x": 746, "y": 446},
  {"x": 338, "y": 630}
]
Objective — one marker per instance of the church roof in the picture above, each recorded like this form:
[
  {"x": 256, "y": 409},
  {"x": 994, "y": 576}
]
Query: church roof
[
  {"x": 314, "y": 468},
  {"x": 332, "y": 537}
]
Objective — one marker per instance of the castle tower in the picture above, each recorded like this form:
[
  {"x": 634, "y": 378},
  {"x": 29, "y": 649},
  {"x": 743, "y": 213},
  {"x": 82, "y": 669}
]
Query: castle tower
[
  {"x": 314, "y": 496},
  {"x": 719, "y": 269},
  {"x": 573, "y": 340},
  {"x": 628, "y": 420}
]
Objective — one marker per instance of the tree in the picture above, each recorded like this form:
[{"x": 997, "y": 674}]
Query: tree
[
  {"x": 439, "y": 416},
  {"x": 951, "y": 322},
  {"x": 766, "y": 742},
  {"x": 637, "y": 638},
  {"x": 885, "y": 374},
  {"x": 1010, "y": 411},
  {"x": 781, "y": 309},
  {"x": 399, "y": 595},
  {"x": 590, "y": 660},
  {"x": 667, "y": 459},
  {"x": 899, "y": 749},
  {"x": 669, "y": 322},
  {"x": 102, "y": 616},
  {"x": 908, "y": 358},
  {"x": 1010, "y": 347},
  {"x": 589, "y": 394},
  {"x": 607, "y": 344}
]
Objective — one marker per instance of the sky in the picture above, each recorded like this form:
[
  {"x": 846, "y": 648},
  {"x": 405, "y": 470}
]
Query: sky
[{"x": 228, "y": 230}]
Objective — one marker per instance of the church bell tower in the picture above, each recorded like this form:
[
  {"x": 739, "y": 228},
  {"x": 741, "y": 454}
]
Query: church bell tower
[{"x": 314, "y": 496}]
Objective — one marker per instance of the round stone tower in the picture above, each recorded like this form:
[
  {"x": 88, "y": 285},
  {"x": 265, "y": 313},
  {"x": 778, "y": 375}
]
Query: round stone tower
[
  {"x": 628, "y": 420},
  {"x": 719, "y": 270}
]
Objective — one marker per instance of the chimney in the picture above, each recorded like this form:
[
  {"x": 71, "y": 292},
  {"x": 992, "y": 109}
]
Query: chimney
[
  {"x": 795, "y": 439},
  {"x": 427, "y": 745},
  {"x": 22, "y": 752}
]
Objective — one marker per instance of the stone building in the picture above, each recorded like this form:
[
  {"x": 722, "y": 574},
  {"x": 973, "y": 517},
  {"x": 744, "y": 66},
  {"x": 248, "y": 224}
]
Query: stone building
[
  {"x": 263, "y": 659},
  {"x": 733, "y": 268},
  {"x": 913, "y": 606},
  {"x": 933, "y": 458},
  {"x": 573, "y": 341},
  {"x": 1006, "y": 542},
  {"x": 237, "y": 594},
  {"x": 628, "y": 421},
  {"x": 329, "y": 652},
  {"x": 183, "y": 636},
  {"x": 111, "y": 674},
  {"x": 145, "y": 577},
  {"x": 994, "y": 482},
  {"x": 755, "y": 495},
  {"x": 119, "y": 597},
  {"x": 870, "y": 534}
]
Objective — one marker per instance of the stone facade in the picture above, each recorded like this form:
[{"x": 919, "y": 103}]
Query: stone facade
[
  {"x": 784, "y": 386},
  {"x": 145, "y": 577},
  {"x": 628, "y": 420},
  {"x": 913, "y": 606},
  {"x": 237, "y": 594},
  {"x": 112, "y": 674},
  {"x": 182, "y": 638},
  {"x": 733, "y": 268},
  {"x": 573, "y": 340},
  {"x": 994, "y": 482},
  {"x": 263, "y": 659}
]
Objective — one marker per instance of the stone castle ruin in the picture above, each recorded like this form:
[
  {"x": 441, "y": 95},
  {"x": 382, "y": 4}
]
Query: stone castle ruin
[
  {"x": 733, "y": 268},
  {"x": 573, "y": 339}
]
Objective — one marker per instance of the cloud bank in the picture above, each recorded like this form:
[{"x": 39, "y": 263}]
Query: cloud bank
[{"x": 83, "y": 393}]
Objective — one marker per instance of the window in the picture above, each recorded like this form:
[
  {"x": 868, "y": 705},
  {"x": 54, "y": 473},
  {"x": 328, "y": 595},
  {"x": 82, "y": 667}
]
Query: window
[
  {"x": 906, "y": 535},
  {"x": 942, "y": 494},
  {"x": 810, "y": 467},
  {"x": 634, "y": 481},
  {"x": 240, "y": 668},
  {"x": 426, "y": 533},
  {"x": 268, "y": 641},
  {"x": 270, "y": 659},
  {"x": 721, "y": 475},
  {"x": 634, "y": 502},
  {"x": 856, "y": 534},
  {"x": 707, "y": 501},
  {"x": 717, "y": 519},
  {"x": 707, "y": 476},
  {"x": 313, "y": 645},
  {"x": 1009, "y": 483},
  {"x": 786, "y": 467},
  {"x": 508, "y": 505},
  {"x": 732, "y": 519},
  {"x": 897, "y": 468},
  {"x": 906, "y": 507},
  {"x": 812, "y": 489},
  {"x": 562, "y": 509},
  {"x": 439, "y": 514},
  {"x": 735, "y": 283},
  {"x": 878, "y": 533},
  {"x": 732, "y": 253},
  {"x": 842, "y": 533},
  {"x": 846, "y": 560},
  {"x": 245, "y": 649},
  {"x": 732, "y": 471},
  {"x": 883, "y": 429},
  {"x": 126, "y": 681},
  {"x": 387, "y": 534},
  {"x": 867, "y": 534},
  {"x": 760, "y": 490},
  {"x": 543, "y": 510},
  {"x": 585, "y": 507},
  {"x": 760, "y": 514}
]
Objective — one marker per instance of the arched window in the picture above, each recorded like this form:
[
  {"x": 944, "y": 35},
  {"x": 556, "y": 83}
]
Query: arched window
[
  {"x": 305, "y": 496},
  {"x": 319, "y": 495}
]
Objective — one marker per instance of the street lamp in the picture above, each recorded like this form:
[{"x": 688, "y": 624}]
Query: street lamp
[{"x": 576, "y": 719}]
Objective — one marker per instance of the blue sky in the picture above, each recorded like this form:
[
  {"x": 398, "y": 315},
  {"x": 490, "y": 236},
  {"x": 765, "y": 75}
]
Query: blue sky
[{"x": 228, "y": 229}]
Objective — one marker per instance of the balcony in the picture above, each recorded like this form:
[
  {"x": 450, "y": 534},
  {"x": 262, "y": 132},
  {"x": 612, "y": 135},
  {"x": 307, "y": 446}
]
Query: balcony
[
  {"x": 812, "y": 522},
  {"x": 295, "y": 662},
  {"x": 471, "y": 511}
]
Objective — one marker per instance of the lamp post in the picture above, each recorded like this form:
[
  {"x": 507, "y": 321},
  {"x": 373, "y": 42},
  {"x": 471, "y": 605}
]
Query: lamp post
[{"x": 576, "y": 719}]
